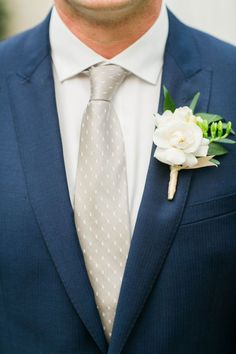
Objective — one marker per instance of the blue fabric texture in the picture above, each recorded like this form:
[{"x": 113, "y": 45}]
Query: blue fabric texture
[{"x": 179, "y": 289}]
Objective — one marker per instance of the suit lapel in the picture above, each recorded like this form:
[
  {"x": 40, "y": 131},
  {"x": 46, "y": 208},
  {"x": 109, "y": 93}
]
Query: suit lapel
[
  {"x": 158, "y": 219},
  {"x": 34, "y": 111}
]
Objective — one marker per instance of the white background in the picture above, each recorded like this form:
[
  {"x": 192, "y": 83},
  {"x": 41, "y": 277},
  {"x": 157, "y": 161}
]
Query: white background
[{"x": 217, "y": 17}]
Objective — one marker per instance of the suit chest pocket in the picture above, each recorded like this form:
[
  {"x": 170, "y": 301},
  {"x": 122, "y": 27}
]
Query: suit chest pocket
[{"x": 205, "y": 211}]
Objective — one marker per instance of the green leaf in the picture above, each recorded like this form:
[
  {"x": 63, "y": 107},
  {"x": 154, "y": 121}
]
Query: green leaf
[
  {"x": 194, "y": 102},
  {"x": 216, "y": 162},
  {"x": 209, "y": 117},
  {"x": 169, "y": 104},
  {"x": 216, "y": 149},
  {"x": 227, "y": 141}
]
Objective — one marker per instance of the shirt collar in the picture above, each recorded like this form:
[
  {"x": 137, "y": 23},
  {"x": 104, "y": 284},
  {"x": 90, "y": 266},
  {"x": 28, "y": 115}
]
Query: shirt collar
[{"x": 143, "y": 58}]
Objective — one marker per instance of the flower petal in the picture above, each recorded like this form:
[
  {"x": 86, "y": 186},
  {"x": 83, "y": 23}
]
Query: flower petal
[
  {"x": 203, "y": 149},
  {"x": 163, "y": 119},
  {"x": 183, "y": 112},
  {"x": 190, "y": 161},
  {"x": 161, "y": 138},
  {"x": 196, "y": 133},
  {"x": 170, "y": 156}
]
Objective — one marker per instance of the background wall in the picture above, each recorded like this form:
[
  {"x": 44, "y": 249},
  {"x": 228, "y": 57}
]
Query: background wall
[{"x": 217, "y": 17}]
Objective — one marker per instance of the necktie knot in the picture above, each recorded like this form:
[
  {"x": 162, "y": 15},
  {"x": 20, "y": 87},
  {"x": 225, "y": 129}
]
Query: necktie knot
[{"x": 105, "y": 80}]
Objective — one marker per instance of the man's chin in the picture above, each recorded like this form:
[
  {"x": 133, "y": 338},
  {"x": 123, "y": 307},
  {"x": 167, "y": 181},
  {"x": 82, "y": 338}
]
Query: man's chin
[
  {"x": 103, "y": 4},
  {"x": 106, "y": 10}
]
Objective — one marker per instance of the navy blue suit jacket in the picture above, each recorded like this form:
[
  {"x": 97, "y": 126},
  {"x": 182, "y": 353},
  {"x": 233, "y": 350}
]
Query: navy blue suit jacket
[{"x": 179, "y": 289}]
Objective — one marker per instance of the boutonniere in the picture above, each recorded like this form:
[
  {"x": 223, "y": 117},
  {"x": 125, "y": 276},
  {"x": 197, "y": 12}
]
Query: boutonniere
[{"x": 188, "y": 140}]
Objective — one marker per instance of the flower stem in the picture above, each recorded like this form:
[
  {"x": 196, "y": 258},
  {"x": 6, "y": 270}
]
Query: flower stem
[{"x": 174, "y": 172}]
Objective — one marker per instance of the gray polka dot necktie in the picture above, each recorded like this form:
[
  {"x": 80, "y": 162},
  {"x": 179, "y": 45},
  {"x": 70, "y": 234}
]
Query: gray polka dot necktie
[{"x": 101, "y": 196}]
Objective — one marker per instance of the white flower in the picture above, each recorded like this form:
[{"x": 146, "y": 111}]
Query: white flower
[
  {"x": 183, "y": 113},
  {"x": 179, "y": 139},
  {"x": 186, "y": 114},
  {"x": 160, "y": 120}
]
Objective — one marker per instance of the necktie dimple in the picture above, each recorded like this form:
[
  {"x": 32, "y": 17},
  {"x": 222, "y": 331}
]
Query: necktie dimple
[{"x": 101, "y": 195}]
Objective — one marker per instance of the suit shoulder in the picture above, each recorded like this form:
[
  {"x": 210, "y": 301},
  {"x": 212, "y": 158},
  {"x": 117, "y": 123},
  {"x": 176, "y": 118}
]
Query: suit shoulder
[
  {"x": 192, "y": 45},
  {"x": 11, "y": 50},
  {"x": 213, "y": 51},
  {"x": 220, "y": 57},
  {"x": 15, "y": 50}
]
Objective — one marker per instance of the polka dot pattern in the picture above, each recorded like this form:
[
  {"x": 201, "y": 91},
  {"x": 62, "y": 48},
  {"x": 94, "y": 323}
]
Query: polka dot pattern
[{"x": 101, "y": 195}]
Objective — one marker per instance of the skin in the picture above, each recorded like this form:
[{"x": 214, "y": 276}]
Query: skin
[{"x": 108, "y": 26}]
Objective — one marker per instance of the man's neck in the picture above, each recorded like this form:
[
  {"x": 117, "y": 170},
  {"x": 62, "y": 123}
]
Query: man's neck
[{"x": 108, "y": 40}]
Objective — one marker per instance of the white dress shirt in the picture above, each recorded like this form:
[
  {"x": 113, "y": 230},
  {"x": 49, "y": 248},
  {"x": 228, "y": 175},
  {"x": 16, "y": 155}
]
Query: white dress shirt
[{"x": 135, "y": 101}]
